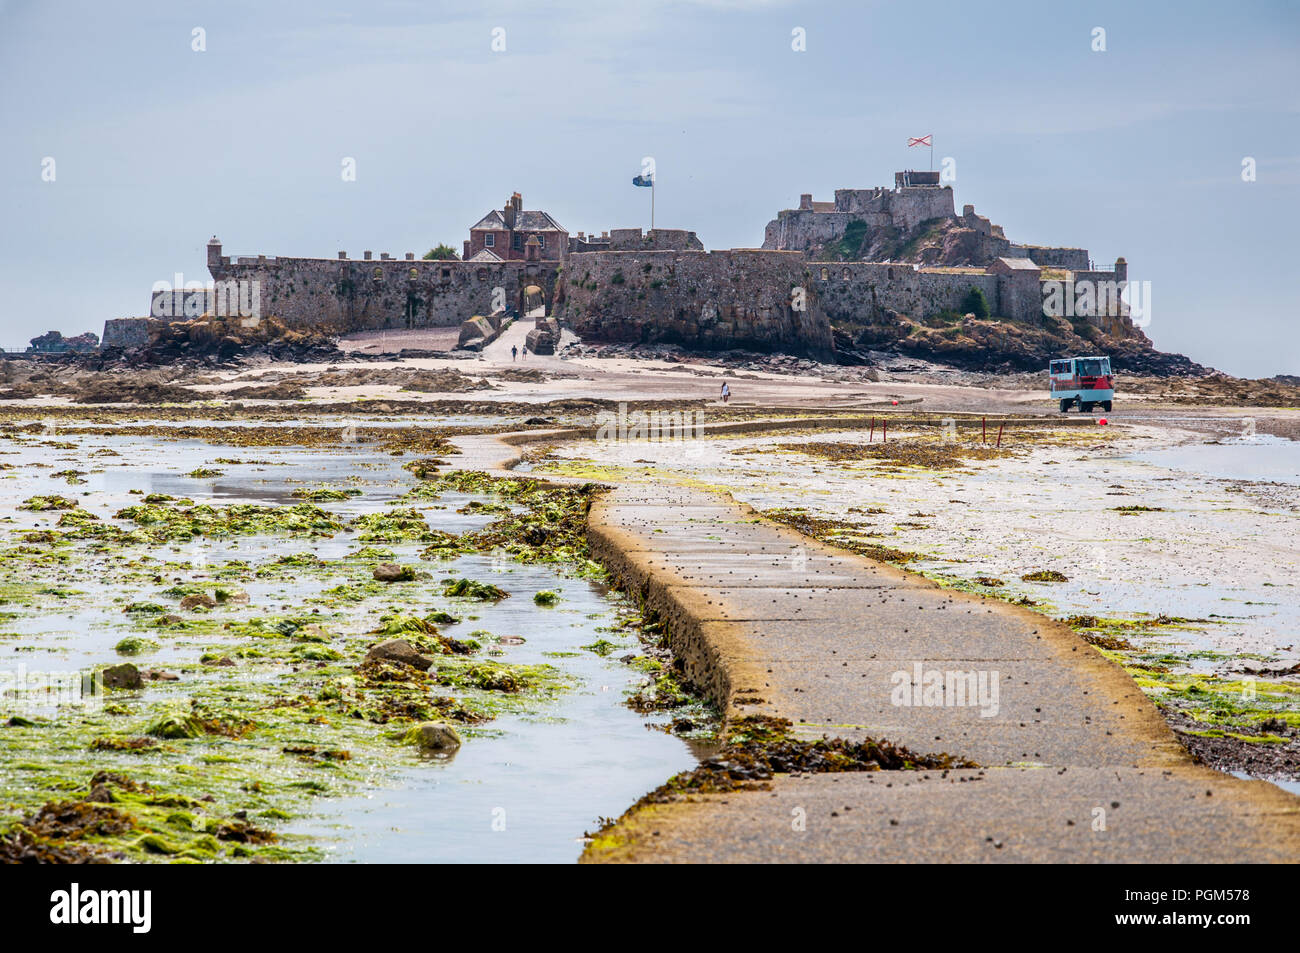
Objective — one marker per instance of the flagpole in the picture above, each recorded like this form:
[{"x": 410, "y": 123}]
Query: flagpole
[{"x": 653, "y": 178}]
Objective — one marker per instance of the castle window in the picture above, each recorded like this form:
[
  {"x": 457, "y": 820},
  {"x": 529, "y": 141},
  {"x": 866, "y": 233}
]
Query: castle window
[
  {"x": 489, "y": 240},
  {"x": 845, "y": 274},
  {"x": 826, "y": 274},
  {"x": 379, "y": 274},
  {"x": 415, "y": 273},
  {"x": 482, "y": 274},
  {"x": 516, "y": 241},
  {"x": 446, "y": 272},
  {"x": 541, "y": 240}
]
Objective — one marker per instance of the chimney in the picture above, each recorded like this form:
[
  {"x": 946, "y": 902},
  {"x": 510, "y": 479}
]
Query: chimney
[
  {"x": 805, "y": 200},
  {"x": 510, "y": 212},
  {"x": 465, "y": 253}
]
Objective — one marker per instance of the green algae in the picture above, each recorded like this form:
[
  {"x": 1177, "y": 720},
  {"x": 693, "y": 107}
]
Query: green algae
[
  {"x": 43, "y": 503},
  {"x": 394, "y": 526},
  {"x": 464, "y": 588},
  {"x": 133, "y": 645},
  {"x": 546, "y": 524},
  {"x": 325, "y": 494},
  {"x": 260, "y": 687},
  {"x": 168, "y": 521}
]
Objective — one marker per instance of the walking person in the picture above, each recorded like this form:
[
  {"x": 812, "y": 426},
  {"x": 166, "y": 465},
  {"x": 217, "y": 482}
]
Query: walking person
[
  {"x": 726, "y": 392},
  {"x": 514, "y": 353}
]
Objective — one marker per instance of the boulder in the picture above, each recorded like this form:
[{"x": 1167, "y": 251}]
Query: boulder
[
  {"x": 398, "y": 650},
  {"x": 198, "y": 600},
  {"x": 432, "y": 736},
  {"x": 391, "y": 572},
  {"x": 125, "y": 675}
]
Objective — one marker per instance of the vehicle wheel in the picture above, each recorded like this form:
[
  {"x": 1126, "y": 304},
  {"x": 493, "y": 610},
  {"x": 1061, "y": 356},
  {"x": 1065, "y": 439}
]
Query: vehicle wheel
[
  {"x": 1065, "y": 406},
  {"x": 1105, "y": 405},
  {"x": 1085, "y": 408}
]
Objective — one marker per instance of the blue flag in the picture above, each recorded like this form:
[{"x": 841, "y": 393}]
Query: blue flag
[{"x": 644, "y": 181}]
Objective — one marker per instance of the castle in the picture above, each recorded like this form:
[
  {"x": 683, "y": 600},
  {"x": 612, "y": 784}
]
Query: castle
[
  {"x": 916, "y": 200},
  {"x": 868, "y": 254}
]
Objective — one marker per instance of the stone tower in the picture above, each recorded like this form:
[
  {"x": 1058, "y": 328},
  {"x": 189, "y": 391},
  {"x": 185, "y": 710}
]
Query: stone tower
[{"x": 214, "y": 256}]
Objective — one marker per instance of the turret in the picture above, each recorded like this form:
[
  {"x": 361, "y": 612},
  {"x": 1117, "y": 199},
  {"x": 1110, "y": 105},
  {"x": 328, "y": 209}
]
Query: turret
[
  {"x": 214, "y": 255},
  {"x": 1121, "y": 269}
]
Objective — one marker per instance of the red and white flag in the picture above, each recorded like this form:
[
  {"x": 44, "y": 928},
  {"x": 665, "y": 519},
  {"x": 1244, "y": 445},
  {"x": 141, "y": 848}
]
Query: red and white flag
[{"x": 922, "y": 141}]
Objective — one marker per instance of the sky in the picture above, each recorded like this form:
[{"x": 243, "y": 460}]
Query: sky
[{"x": 1137, "y": 149}]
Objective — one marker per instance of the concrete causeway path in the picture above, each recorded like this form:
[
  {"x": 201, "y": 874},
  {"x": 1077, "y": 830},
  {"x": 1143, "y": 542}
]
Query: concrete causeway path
[{"x": 1077, "y": 765}]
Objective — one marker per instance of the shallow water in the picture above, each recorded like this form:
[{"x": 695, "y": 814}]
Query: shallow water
[
  {"x": 1261, "y": 457},
  {"x": 523, "y": 787},
  {"x": 529, "y": 785}
]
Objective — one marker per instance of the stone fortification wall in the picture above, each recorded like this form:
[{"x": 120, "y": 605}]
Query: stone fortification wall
[
  {"x": 710, "y": 300},
  {"x": 346, "y": 294},
  {"x": 765, "y": 300}
]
